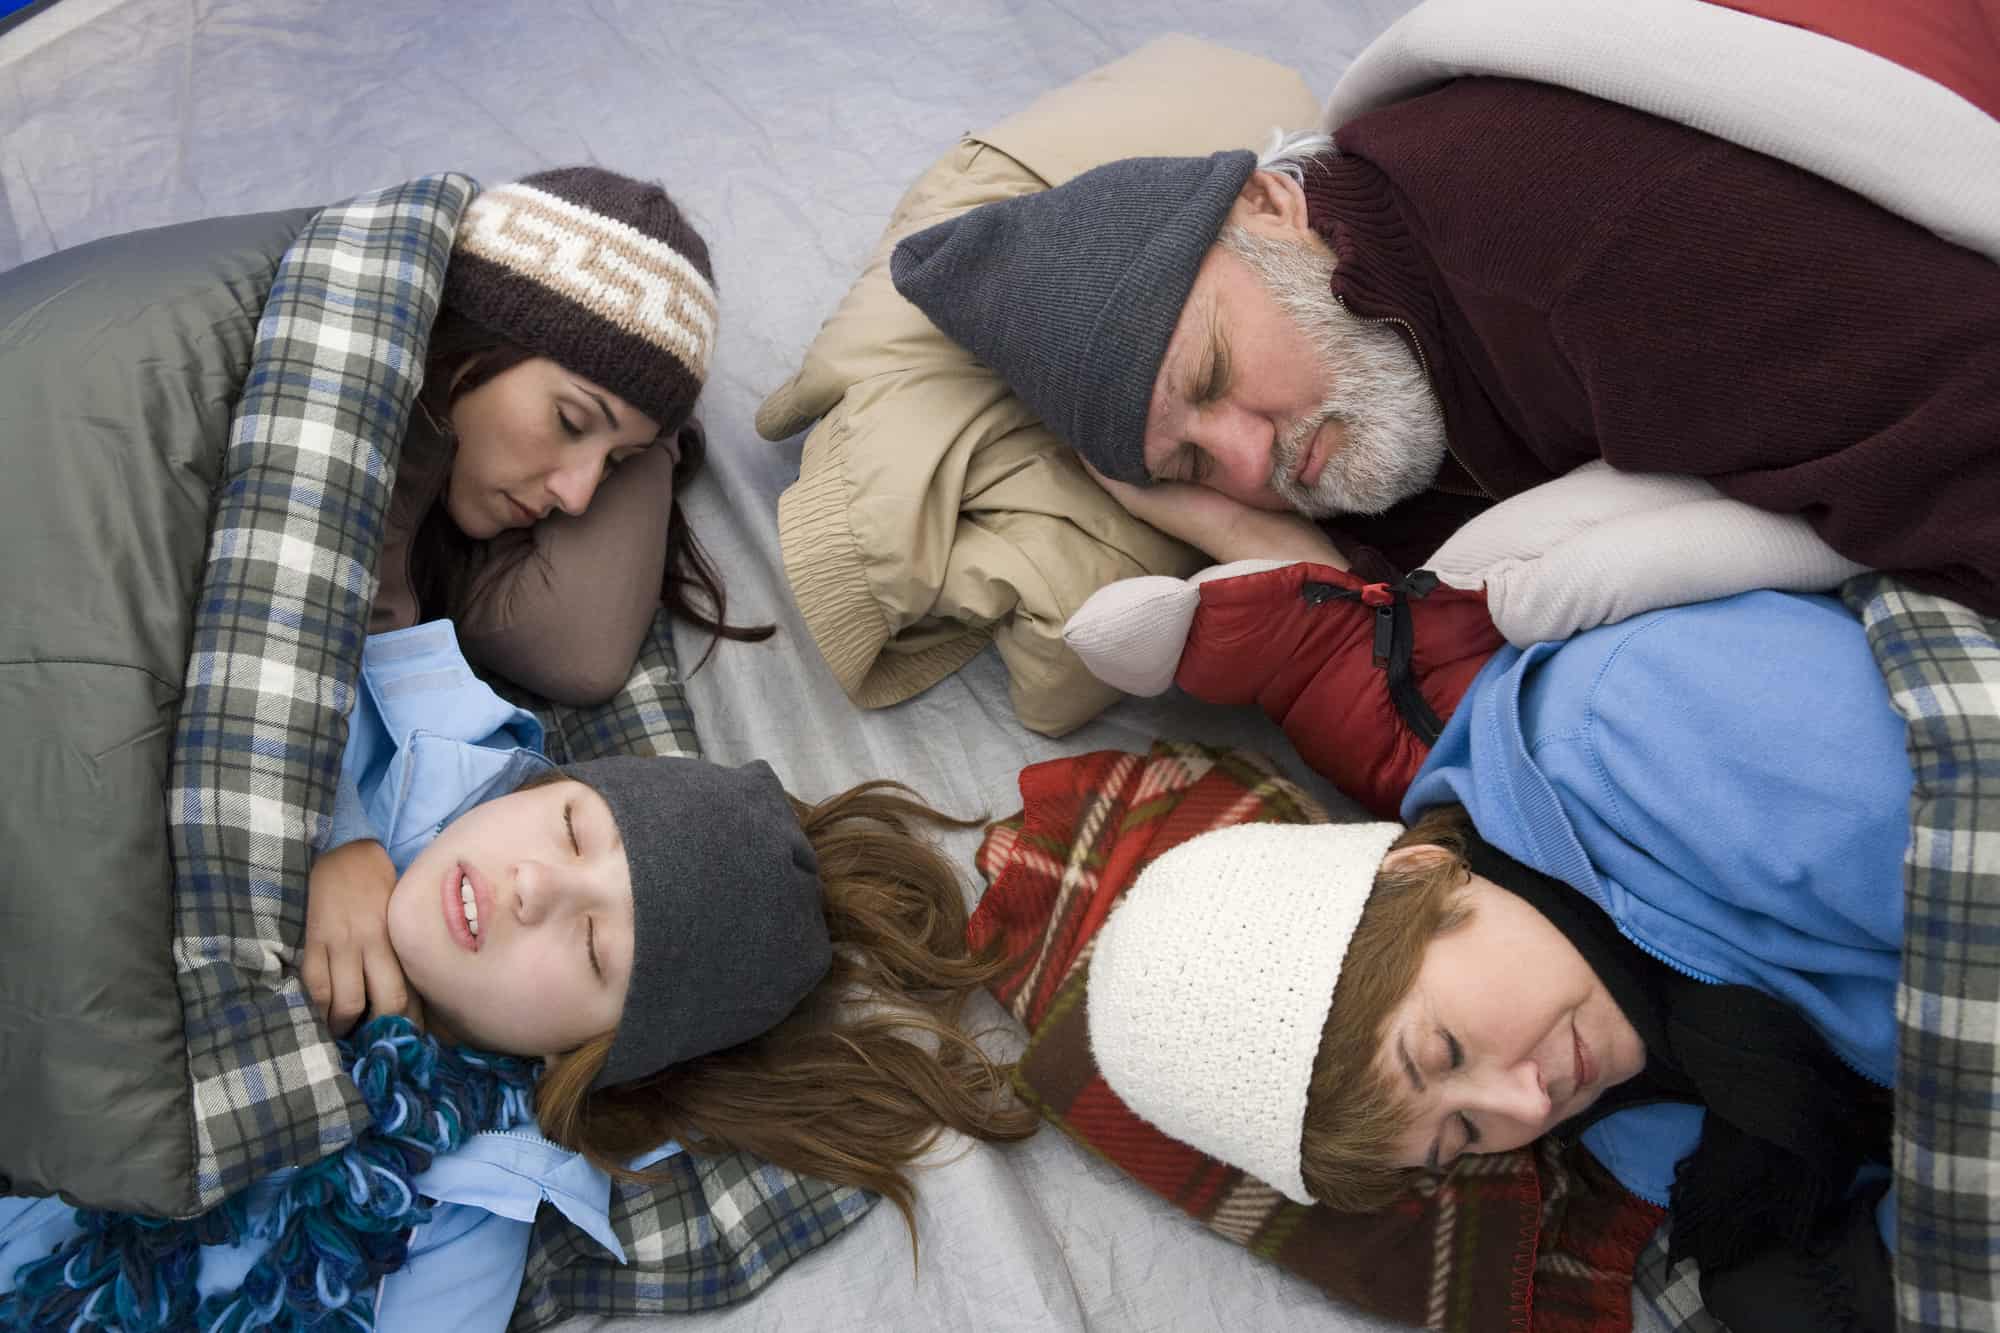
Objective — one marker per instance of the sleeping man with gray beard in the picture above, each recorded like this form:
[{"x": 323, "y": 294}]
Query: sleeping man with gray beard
[{"x": 1344, "y": 351}]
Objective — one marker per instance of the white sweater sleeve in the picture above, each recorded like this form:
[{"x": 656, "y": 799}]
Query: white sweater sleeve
[{"x": 1598, "y": 546}]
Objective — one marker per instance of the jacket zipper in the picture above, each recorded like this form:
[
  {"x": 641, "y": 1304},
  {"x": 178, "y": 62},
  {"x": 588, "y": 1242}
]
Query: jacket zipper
[
  {"x": 530, "y": 1136},
  {"x": 1424, "y": 364}
]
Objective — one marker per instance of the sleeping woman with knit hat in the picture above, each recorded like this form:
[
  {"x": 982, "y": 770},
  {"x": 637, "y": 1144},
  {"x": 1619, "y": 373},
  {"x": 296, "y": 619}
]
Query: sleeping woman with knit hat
[
  {"x": 1650, "y": 894},
  {"x": 632, "y": 956},
  {"x": 534, "y": 502}
]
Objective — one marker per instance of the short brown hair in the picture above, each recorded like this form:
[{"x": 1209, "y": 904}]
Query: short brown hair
[{"x": 1353, "y": 1113}]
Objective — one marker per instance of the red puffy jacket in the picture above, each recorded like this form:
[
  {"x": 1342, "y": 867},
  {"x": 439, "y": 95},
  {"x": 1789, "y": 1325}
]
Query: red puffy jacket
[{"x": 1361, "y": 676}]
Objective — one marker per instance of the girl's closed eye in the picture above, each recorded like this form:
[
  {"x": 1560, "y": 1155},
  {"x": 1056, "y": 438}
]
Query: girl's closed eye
[
  {"x": 590, "y": 946},
  {"x": 569, "y": 827},
  {"x": 569, "y": 427}
]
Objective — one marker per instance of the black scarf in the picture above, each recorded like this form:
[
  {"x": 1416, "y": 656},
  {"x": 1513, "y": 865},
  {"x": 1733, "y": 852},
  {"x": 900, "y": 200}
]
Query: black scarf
[{"x": 1788, "y": 1123}]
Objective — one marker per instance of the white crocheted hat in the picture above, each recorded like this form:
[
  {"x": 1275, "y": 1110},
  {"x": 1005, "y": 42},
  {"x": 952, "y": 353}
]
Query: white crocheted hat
[{"x": 1212, "y": 980}]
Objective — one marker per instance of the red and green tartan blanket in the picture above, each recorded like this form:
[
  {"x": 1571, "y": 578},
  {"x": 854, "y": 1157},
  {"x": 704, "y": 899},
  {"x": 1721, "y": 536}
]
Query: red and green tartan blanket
[{"x": 1542, "y": 1240}]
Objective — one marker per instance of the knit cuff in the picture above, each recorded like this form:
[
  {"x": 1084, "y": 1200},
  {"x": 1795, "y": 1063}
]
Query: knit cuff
[{"x": 828, "y": 570}]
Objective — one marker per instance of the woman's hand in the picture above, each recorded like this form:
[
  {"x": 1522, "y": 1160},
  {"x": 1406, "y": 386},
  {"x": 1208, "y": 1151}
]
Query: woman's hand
[
  {"x": 1223, "y": 528},
  {"x": 349, "y": 966}
]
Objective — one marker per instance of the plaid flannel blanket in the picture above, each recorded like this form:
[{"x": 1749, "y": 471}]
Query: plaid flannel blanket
[
  {"x": 277, "y": 641},
  {"x": 1542, "y": 1239}
]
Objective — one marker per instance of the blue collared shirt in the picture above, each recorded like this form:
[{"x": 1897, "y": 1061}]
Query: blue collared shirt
[{"x": 427, "y": 741}]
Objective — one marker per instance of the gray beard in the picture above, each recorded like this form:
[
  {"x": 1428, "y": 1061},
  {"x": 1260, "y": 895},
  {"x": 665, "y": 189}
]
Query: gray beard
[{"x": 1395, "y": 428}]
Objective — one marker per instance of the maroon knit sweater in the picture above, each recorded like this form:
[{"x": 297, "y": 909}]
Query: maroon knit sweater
[{"x": 1589, "y": 281}]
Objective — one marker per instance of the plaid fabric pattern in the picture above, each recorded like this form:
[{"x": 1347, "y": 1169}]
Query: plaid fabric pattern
[
  {"x": 716, "y": 1230},
  {"x": 1674, "y": 1294},
  {"x": 277, "y": 643},
  {"x": 649, "y": 716},
  {"x": 1545, "y": 1236},
  {"x": 1942, "y": 666}
]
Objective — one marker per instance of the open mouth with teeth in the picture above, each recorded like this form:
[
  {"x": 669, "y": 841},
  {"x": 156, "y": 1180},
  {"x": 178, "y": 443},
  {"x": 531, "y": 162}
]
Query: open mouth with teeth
[{"x": 463, "y": 896}]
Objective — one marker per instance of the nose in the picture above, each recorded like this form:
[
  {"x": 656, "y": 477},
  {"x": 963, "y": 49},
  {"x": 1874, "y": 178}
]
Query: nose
[
  {"x": 1518, "y": 1093},
  {"x": 539, "y": 891},
  {"x": 1240, "y": 443},
  {"x": 575, "y": 482}
]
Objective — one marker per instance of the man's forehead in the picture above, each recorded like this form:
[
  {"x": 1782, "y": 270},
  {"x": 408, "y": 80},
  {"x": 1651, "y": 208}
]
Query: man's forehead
[{"x": 1194, "y": 337}]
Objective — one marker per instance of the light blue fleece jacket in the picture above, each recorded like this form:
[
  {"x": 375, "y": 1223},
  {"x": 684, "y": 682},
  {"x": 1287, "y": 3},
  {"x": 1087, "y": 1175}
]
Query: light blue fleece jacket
[
  {"x": 1729, "y": 782},
  {"x": 427, "y": 741}
]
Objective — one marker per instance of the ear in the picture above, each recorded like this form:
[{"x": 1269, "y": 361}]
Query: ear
[
  {"x": 1414, "y": 855},
  {"x": 1272, "y": 203}
]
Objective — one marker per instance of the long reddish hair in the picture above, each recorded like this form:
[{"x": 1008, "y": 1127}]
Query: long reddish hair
[{"x": 859, "y": 1080}]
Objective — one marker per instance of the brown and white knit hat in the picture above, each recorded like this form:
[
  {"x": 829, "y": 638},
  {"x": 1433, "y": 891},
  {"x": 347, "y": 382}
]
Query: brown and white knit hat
[
  {"x": 1211, "y": 982},
  {"x": 596, "y": 271}
]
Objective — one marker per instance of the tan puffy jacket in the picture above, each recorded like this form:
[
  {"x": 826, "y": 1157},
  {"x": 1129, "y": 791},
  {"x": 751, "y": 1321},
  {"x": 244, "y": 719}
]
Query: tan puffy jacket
[{"x": 933, "y": 512}]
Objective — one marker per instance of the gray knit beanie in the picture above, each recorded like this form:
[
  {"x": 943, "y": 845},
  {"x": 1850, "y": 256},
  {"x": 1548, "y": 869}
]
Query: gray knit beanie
[
  {"x": 728, "y": 933},
  {"x": 1073, "y": 293},
  {"x": 598, "y": 272}
]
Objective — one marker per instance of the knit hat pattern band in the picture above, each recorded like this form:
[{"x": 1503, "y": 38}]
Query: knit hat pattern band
[
  {"x": 1211, "y": 983},
  {"x": 599, "y": 272}
]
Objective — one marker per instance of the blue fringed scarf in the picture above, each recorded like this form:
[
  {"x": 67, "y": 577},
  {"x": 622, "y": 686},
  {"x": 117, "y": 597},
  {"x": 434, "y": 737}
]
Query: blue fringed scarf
[{"x": 338, "y": 1226}]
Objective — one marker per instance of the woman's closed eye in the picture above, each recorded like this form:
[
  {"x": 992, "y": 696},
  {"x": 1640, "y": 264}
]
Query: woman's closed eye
[
  {"x": 1192, "y": 465},
  {"x": 569, "y": 426},
  {"x": 589, "y": 923},
  {"x": 1471, "y": 1143},
  {"x": 1454, "y": 1059}
]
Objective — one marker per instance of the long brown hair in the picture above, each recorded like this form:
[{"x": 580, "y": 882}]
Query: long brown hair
[
  {"x": 1353, "y": 1113},
  {"x": 464, "y": 355},
  {"x": 864, "y": 1075}
]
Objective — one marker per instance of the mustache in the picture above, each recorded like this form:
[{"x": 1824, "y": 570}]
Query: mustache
[{"x": 1289, "y": 449}]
